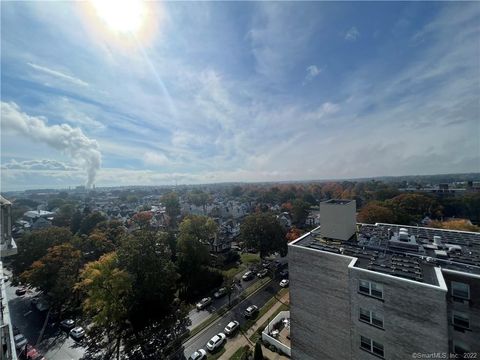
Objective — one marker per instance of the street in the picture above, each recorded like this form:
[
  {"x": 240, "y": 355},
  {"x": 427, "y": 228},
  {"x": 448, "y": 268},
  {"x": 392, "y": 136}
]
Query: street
[
  {"x": 236, "y": 313},
  {"x": 56, "y": 344}
]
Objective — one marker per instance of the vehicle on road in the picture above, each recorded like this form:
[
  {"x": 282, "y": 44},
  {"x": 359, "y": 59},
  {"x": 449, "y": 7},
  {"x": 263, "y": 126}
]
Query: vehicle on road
[
  {"x": 200, "y": 354},
  {"x": 250, "y": 311},
  {"x": 284, "y": 273},
  {"x": 284, "y": 283},
  {"x": 216, "y": 341},
  {"x": 20, "y": 291},
  {"x": 67, "y": 324},
  {"x": 202, "y": 304},
  {"x": 40, "y": 304},
  {"x": 262, "y": 273},
  {"x": 248, "y": 276},
  {"x": 20, "y": 341},
  {"x": 231, "y": 327},
  {"x": 77, "y": 333},
  {"x": 220, "y": 293}
]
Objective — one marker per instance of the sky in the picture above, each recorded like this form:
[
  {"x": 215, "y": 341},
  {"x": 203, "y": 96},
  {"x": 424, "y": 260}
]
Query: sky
[{"x": 205, "y": 92}]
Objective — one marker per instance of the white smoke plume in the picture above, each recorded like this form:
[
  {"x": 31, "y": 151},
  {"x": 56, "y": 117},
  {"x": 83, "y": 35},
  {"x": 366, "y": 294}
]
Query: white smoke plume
[{"x": 71, "y": 141}]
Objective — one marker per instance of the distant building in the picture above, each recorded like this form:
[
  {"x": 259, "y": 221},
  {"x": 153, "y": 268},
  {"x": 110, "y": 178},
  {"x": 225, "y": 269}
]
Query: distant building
[{"x": 360, "y": 291}]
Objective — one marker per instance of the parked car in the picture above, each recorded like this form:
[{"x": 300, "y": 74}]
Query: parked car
[
  {"x": 77, "y": 333},
  {"x": 220, "y": 293},
  {"x": 250, "y": 311},
  {"x": 248, "y": 275},
  {"x": 284, "y": 273},
  {"x": 266, "y": 264},
  {"x": 67, "y": 324},
  {"x": 262, "y": 273},
  {"x": 202, "y": 304},
  {"x": 284, "y": 283},
  {"x": 216, "y": 341},
  {"x": 40, "y": 304},
  {"x": 200, "y": 354},
  {"x": 231, "y": 327},
  {"x": 21, "y": 291},
  {"x": 20, "y": 341}
]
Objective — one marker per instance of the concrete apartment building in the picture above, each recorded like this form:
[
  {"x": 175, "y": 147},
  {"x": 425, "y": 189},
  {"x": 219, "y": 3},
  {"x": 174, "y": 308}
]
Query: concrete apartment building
[
  {"x": 360, "y": 291},
  {"x": 7, "y": 248}
]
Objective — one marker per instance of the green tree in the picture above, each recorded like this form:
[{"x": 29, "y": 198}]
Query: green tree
[
  {"x": 299, "y": 212},
  {"x": 93, "y": 246},
  {"x": 258, "y": 354},
  {"x": 107, "y": 291},
  {"x": 90, "y": 221},
  {"x": 55, "y": 274},
  {"x": 76, "y": 221},
  {"x": 32, "y": 246},
  {"x": 263, "y": 232},
  {"x": 64, "y": 215},
  {"x": 172, "y": 206}
]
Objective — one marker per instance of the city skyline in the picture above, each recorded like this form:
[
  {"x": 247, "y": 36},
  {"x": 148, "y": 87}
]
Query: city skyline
[{"x": 225, "y": 92}]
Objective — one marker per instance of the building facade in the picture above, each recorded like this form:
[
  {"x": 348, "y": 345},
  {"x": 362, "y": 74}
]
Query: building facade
[{"x": 387, "y": 292}]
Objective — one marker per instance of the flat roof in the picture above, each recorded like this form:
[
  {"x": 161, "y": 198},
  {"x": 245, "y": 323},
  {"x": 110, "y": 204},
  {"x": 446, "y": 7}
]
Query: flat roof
[
  {"x": 337, "y": 202},
  {"x": 414, "y": 260}
]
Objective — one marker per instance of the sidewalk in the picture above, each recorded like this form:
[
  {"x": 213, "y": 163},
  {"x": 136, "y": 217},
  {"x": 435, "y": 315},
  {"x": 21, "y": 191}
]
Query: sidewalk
[{"x": 233, "y": 345}]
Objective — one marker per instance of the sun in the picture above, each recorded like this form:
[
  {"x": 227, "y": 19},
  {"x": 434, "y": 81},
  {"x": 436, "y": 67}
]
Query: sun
[{"x": 121, "y": 16}]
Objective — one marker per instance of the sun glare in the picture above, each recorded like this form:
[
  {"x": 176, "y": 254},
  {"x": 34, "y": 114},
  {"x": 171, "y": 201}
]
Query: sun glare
[{"x": 121, "y": 16}]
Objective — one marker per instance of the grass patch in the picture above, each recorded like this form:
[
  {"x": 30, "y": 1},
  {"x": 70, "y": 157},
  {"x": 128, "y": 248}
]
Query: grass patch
[
  {"x": 240, "y": 353},
  {"x": 249, "y": 259},
  {"x": 217, "y": 355},
  {"x": 257, "y": 335},
  {"x": 230, "y": 273}
]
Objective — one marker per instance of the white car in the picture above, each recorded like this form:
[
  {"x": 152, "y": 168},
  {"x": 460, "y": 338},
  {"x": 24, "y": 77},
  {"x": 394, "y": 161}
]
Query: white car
[
  {"x": 249, "y": 275},
  {"x": 200, "y": 354},
  {"x": 77, "y": 333},
  {"x": 284, "y": 283},
  {"x": 202, "y": 304},
  {"x": 20, "y": 341},
  {"x": 250, "y": 311},
  {"x": 216, "y": 341},
  {"x": 231, "y": 327}
]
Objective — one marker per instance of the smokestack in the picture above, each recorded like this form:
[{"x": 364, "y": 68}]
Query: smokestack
[{"x": 71, "y": 141}]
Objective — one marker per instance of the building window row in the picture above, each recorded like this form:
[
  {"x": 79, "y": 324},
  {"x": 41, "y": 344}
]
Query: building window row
[
  {"x": 460, "y": 290},
  {"x": 371, "y": 288},
  {"x": 460, "y": 320},
  {"x": 371, "y": 317},
  {"x": 371, "y": 346}
]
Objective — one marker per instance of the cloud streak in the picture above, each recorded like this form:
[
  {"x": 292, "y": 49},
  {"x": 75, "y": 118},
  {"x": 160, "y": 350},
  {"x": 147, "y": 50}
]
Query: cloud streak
[{"x": 58, "y": 74}]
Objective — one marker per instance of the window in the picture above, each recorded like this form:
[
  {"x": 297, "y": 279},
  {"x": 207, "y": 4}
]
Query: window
[
  {"x": 371, "y": 317},
  {"x": 460, "y": 348},
  {"x": 460, "y": 290},
  {"x": 371, "y": 346},
  {"x": 460, "y": 320},
  {"x": 371, "y": 288}
]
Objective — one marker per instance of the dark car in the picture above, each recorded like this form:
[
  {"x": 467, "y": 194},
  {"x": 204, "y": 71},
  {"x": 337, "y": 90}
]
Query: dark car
[
  {"x": 251, "y": 311},
  {"x": 262, "y": 273},
  {"x": 248, "y": 275},
  {"x": 284, "y": 273},
  {"x": 220, "y": 293},
  {"x": 21, "y": 291},
  {"x": 67, "y": 324}
]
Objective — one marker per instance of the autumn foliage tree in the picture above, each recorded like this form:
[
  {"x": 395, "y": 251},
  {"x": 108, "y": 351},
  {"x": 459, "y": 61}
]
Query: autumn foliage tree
[{"x": 375, "y": 212}]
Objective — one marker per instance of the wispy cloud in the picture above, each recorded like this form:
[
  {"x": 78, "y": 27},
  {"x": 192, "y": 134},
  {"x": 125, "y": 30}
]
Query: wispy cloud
[
  {"x": 44, "y": 164},
  {"x": 352, "y": 34},
  {"x": 58, "y": 74},
  {"x": 312, "y": 72}
]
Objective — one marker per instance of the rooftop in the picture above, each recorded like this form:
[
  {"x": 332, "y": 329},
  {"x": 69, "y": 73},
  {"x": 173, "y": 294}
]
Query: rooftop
[
  {"x": 337, "y": 202},
  {"x": 405, "y": 251}
]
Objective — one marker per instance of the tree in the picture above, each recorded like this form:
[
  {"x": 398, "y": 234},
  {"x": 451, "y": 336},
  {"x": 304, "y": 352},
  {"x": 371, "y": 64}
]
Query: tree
[
  {"x": 258, "y": 354},
  {"x": 192, "y": 250},
  {"x": 375, "y": 212},
  {"x": 294, "y": 234},
  {"x": 64, "y": 215},
  {"x": 93, "y": 246},
  {"x": 55, "y": 274},
  {"x": 457, "y": 224},
  {"x": 90, "y": 221},
  {"x": 172, "y": 206},
  {"x": 32, "y": 246},
  {"x": 263, "y": 232},
  {"x": 76, "y": 221},
  {"x": 199, "y": 198},
  {"x": 299, "y": 212},
  {"x": 107, "y": 291}
]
